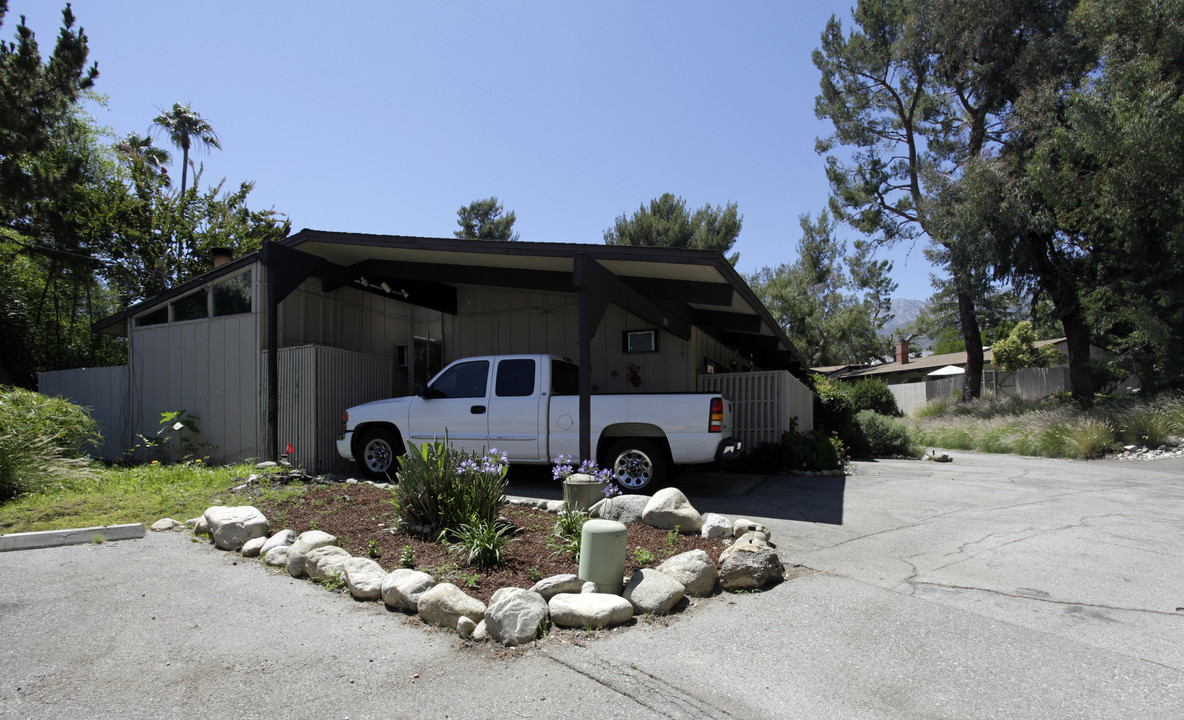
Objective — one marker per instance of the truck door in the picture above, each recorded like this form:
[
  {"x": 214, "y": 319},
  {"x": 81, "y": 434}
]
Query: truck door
[
  {"x": 457, "y": 405},
  {"x": 515, "y": 426}
]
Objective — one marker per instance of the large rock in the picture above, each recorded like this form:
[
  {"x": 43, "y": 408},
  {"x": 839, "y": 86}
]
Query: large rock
[
  {"x": 668, "y": 509},
  {"x": 549, "y": 587},
  {"x": 750, "y": 567},
  {"x": 445, "y": 603},
  {"x": 716, "y": 526},
  {"x": 326, "y": 563},
  {"x": 589, "y": 610},
  {"x": 306, "y": 543},
  {"x": 231, "y": 527},
  {"x": 694, "y": 570},
  {"x": 403, "y": 588},
  {"x": 622, "y": 508},
  {"x": 652, "y": 592},
  {"x": 252, "y": 547},
  {"x": 749, "y": 538},
  {"x": 515, "y": 617},
  {"x": 743, "y": 526},
  {"x": 364, "y": 578},
  {"x": 277, "y": 556},
  {"x": 283, "y": 537}
]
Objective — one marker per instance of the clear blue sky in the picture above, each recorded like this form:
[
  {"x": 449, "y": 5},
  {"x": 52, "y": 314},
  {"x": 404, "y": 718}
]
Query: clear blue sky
[{"x": 386, "y": 117}]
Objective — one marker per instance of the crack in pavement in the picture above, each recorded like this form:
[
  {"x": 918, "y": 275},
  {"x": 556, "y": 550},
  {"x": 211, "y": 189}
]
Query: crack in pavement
[
  {"x": 646, "y": 690},
  {"x": 945, "y": 586}
]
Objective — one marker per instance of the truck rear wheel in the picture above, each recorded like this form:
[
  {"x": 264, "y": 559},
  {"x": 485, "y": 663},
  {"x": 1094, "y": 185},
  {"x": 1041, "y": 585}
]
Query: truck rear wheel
[
  {"x": 636, "y": 464},
  {"x": 377, "y": 453}
]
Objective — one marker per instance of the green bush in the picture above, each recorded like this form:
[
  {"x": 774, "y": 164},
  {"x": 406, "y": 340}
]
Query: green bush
[
  {"x": 834, "y": 412},
  {"x": 482, "y": 541},
  {"x": 41, "y": 442},
  {"x": 441, "y": 489},
  {"x": 873, "y": 394},
  {"x": 885, "y": 435}
]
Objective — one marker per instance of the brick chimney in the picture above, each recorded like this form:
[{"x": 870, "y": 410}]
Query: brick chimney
[
  {"x": 221, "y": 256},
  {"x": 902, "y": 352}
]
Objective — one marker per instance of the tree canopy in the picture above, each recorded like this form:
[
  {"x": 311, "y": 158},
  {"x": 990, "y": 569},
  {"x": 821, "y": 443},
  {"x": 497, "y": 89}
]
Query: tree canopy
[
  {"x": 831, "y": 313},
  {"x": 666, "y": 222},
  {"x": 485, "y": 220}
]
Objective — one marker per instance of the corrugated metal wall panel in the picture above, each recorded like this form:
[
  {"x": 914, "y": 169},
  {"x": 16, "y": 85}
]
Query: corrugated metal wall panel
[
  {"x": 316, "y": 384},
  {"x": 765, "y": 403},
  {"x": 104, "y": 391}
]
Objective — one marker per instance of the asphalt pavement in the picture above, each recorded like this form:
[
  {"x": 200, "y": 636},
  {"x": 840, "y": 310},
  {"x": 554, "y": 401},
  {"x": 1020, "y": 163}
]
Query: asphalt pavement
[{"x": 988, "y": 587}]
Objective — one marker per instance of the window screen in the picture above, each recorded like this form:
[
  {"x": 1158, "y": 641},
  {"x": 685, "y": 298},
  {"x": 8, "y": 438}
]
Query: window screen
[
  {"x": 515, "y": 378},
  {"x": 159, "y": 316}
]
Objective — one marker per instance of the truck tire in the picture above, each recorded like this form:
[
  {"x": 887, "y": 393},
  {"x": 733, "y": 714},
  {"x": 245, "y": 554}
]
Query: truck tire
[
  {"x": 377, "y": 454},
  {"x": 636, "y": 464}
]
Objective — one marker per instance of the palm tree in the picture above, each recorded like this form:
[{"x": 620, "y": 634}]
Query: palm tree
[
  {"x": 139, "y": 150},
  {"x": 184, "y": 126}
]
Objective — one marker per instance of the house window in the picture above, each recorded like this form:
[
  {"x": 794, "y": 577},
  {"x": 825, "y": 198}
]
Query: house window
[
  {"x": 639, "y": 341},
  {"x": 233, "y": 295},
  {"x": 429, "y": 359},
  {"x": 159, "y": 316},
  {"x": 191, "y": 307}
]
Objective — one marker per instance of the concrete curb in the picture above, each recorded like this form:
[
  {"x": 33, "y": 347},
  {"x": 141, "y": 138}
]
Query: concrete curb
[{"x": 79, "y": 536}]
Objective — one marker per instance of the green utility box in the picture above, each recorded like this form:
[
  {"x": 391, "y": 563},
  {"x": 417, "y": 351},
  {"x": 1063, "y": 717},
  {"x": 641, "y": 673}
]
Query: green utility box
[{"x": 602, "y": 554}]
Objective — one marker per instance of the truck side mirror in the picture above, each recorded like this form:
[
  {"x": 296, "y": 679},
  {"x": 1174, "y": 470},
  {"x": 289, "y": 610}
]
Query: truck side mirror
[{"x": 423, "y": 391}]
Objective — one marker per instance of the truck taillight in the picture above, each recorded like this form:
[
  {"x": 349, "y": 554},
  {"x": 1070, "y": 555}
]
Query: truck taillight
[
  {"x": 717, "y": 415},
  {"x": 344, "y": 420}
]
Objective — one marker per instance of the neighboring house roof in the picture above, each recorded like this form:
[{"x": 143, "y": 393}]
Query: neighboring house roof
[
  {"x": 925, "y": 365},
  {"x": 694, "y": 286}
]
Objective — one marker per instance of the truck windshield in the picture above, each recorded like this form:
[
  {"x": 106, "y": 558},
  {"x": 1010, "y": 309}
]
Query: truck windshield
[{"x": 565, "y": 378}]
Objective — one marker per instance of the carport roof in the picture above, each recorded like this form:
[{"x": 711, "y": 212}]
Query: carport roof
[{"x": 696, "y": 286}]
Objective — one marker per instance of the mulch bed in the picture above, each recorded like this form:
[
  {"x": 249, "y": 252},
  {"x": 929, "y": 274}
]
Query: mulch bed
[{"x": 362, "y": 518}]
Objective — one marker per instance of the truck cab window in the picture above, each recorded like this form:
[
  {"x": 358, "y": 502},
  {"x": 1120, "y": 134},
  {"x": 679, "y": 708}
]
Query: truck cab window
[
  {"x": 515, "y": 378},
  {"x": 565, "y": 378},
  {"x": 467, "y": 380}
]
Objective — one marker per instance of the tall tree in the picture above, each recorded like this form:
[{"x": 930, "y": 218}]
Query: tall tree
[
  {"x": 1093, "y": 189},
  {"x": 141, "y": 155},
  {"x": 831, "y": 313},
  {"x": 184, "y": 127},
  {"x": 666, "y": 222},
  {"x": 36, "y": 99},
  {"x": 485, "y": 220},
  {"x": 915, "y": 92}
]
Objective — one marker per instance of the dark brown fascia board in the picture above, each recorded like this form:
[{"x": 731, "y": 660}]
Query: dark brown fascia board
[
  {"x": 109, "y": 324},
  {"x": 740, "y": 322},
  {"x": 493, "y": 247}
]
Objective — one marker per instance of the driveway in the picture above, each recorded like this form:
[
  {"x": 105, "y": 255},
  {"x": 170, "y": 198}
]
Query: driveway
[{"x": 991, "y": 586}]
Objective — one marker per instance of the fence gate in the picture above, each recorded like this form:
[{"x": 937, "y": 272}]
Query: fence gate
[{"x": 765, "y": 403}]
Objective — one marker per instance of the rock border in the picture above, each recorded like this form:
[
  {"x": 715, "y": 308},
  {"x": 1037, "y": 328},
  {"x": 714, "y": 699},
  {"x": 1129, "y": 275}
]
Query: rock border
[{"x": 516, "y": 616}]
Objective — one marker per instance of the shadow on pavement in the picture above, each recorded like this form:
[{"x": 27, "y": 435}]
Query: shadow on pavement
[{"x": 788, "y": 497}]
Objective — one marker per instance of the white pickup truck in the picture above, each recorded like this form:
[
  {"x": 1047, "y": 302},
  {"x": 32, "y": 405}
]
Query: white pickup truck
[{"x": 527, "y": 406}]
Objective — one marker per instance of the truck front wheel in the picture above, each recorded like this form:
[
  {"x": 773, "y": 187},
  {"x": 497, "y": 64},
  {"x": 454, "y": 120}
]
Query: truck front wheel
[
  {"x": 377, "y": 453},
  {"x": 636, "y": 464}
]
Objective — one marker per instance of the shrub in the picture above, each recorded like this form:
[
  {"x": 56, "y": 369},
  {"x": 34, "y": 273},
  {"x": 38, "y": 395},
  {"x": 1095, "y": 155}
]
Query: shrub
[
  {"x": 1089, "y": 438},
  {"x": 481, "y": 540},
  {"x": 885, "y": 435},
  {"x": 41, "y": 441},
  {"x": 834, "y": 412},
  {"x": 441, "y": 489},
  {"x": 873, "y": 394}
]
